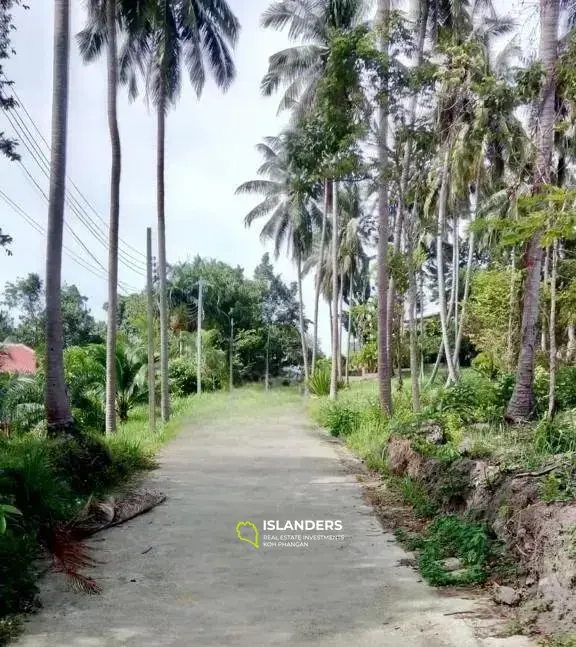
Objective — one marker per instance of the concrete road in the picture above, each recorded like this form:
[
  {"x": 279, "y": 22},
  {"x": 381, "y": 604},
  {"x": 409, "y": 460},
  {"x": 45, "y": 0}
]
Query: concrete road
[{"x": 179, "y": 576}]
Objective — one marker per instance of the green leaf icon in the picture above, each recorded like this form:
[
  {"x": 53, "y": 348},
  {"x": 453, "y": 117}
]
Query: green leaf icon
[{"x": 241, "y": 526}]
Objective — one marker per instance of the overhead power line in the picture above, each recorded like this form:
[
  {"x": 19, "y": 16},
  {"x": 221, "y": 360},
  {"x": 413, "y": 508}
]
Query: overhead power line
[
  {"x": 43, "y": 164},
  {"x": 95, "y": 271},
  {"x": 133, "y": 259}
]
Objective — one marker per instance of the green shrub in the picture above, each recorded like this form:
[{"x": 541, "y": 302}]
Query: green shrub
[
  {"x": 452, "y": 536},
  {"x": 182, "y": 377},
  {"x": 566, "y": 388},
  {"x": 319, "y": 381},
  {"x": 18, "y": 559},
  {"x": 414, "y": 495},
  {"x": 340, "y": 418},
  {"x": 486, "y": 365},
  {"x": 554, "y": 437}
]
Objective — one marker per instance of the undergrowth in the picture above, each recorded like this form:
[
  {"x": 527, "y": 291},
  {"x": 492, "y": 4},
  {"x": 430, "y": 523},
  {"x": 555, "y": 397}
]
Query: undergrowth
[
  {"x": 49, "y": 481},
  {"x": 451, "y": 536}
]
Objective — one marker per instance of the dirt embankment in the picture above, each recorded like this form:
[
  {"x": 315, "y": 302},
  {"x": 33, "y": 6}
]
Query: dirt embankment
[{"x": 541, "y": 535}]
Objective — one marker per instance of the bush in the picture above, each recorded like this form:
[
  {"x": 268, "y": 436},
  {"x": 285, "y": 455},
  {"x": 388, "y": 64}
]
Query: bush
[
  {"x": 182, "y": 377},
  {"x": 340, "y": 419},
  {"x": 485, "y": 364},
  {"x": 452, "y": 536},
  {"x": 319, "y": 382}
]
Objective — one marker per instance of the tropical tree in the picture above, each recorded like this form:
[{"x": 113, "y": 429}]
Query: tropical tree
[
  {"x": 111, "y": 9},
  {"x": 58, "y": 412},
  {"x": 293, "y": 215},
  {"x": 521, "y": 405},
  {"x": 162, "y": 38}
]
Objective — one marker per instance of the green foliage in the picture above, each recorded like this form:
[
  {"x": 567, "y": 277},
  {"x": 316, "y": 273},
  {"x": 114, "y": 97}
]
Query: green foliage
[
  {"x": 6, "y": 511},
  {"x": 319, "y": 381},
  {"x": 452, "y": 536},
  {"x": 340, "y": 419},
  {"x": 182, "y": 376},
  {"x": 486, "y": 364},
  {"x": 415, "y": 495},
  {"x": 489, "y": 313}
]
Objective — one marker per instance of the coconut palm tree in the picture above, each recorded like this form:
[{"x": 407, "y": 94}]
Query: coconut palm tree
[
  {"x": 95, "y": 10},
  {"x": 298, "y": 69},
  {"x": 293, "y": 216},
  {"x": 162, "y": 38},
  {"x": 521, "y": 404},
  {"x": 58, "y": 412}
]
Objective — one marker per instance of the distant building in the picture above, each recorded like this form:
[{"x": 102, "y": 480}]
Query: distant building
[{"x": 17, "y": 359}]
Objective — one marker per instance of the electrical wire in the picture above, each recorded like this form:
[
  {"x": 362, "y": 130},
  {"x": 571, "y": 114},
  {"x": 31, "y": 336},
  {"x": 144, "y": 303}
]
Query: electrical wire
[
  {"x": 20, "y": 104},
  {"x": 95, "y": 271},
  {"x": 44, "y": 165}
]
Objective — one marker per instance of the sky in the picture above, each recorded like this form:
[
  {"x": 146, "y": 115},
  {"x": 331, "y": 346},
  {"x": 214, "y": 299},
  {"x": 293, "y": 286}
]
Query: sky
[{"x": 210, "y": 150}]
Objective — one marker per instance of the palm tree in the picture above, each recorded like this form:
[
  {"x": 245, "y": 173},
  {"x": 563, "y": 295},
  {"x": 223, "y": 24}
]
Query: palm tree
[
  {"x": 292, "y": 215},
  {"x": 298, "y": 69},
  {"x": 58, "y": 412},
  {"x": 521, "y": 404},
  {"x": 161, "y": 39},
  {"x": 384, "y": 367},
  {"x": 84, "y": 38}
]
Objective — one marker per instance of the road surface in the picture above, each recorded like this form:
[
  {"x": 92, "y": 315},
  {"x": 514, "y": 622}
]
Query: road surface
[{"x": 180, "y": 576}]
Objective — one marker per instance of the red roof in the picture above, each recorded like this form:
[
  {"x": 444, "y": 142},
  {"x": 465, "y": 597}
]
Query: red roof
[{"x": 17, "y": 358}]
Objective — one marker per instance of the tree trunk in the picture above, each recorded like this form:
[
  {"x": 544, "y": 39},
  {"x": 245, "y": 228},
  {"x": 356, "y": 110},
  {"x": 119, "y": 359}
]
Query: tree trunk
[
  {"x": 335, "y": 326},
  {"x": 340, "y": 325},
  {"x": 422, "y": 22},
  {"x": 327, "y": 205},
  {"x": 443, "y": 199},
  {"x": 348, "y": 341},
  {"x": 301, "y": 315},
  {"x": 571, "y": 347},
  {"x": 58, "y": 412},
  {"x": 521, "y": 405},
  {"x": 164, "y": 389},
  {"x": 543, "y": 345},
  {"x": 456, "y": 283},
  {"x": 384, "y": 378},
  {"x": 553, "y": 276},
  {"x": 474, "y": 189},
  {"x": 413, "y": 335},
  {"x": 112, "y": 315},
  {"x": 511, "y": 308}
]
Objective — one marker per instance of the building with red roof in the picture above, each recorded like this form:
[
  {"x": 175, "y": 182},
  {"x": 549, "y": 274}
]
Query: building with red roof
[{"x": 18, "y": 359}]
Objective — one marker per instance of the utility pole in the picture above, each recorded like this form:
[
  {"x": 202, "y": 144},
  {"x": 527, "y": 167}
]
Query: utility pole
[
  {"x": 151, "y": 371},
  {"x": 231, "y": 353},
  {"x": 199, "y": 342},
  {"x": 267, "y": 374}
]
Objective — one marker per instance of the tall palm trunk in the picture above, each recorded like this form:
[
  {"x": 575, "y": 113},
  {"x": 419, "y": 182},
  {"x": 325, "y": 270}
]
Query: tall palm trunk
[
  {"x": 348, "y": 340},
  {"x": 456, "y": 279},
  {"x": 442, "y": 203},
  {"x": 340, "y": 324},
  {"x": 161, "y": 115},
  {"x": 552, "y": 330},
  {"x": 571, "y": 347},
  {"x": 301, "y": 315},
  {"x": 413, "y": 335},
  {"x": 384, "y": 377},
  {"x": 422, "y": 22},
  {"x": 511, "y": 311},
  {"x": 521, "y": 405},
  {"x": 111, "y": 331},
  {"x": 58, "y": 412},
  {"x": 546, "y": 281},
  {"x": 327, "y": 205},
  {"x": 471, "y": 239},
  {"x": 334, "y": 313}
]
